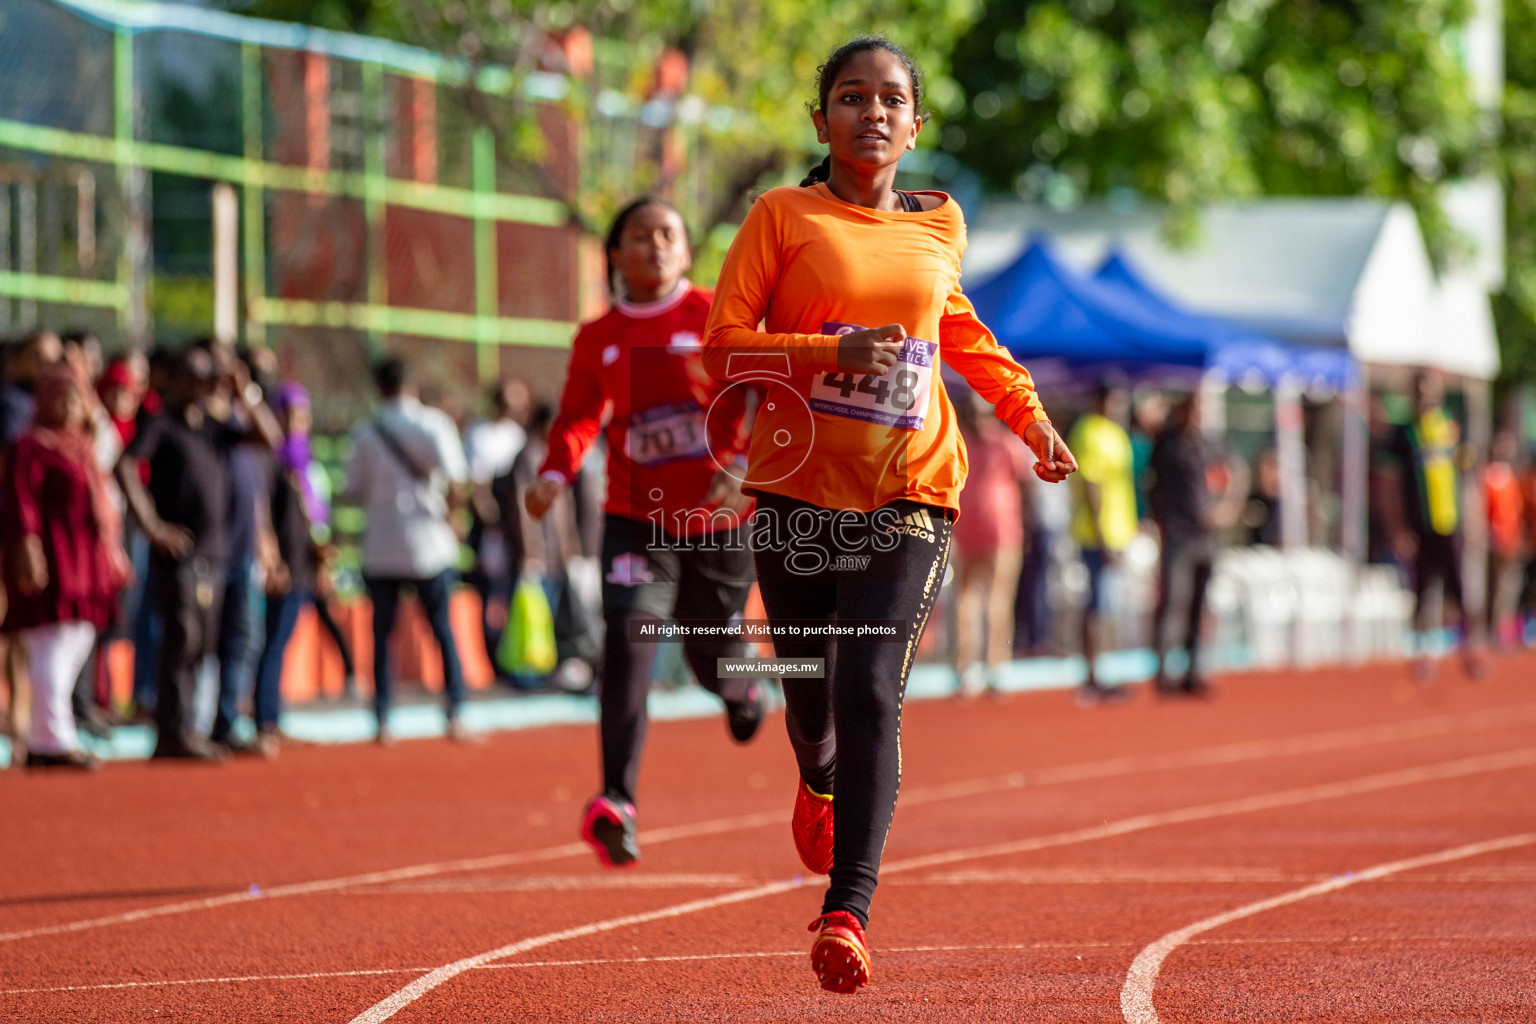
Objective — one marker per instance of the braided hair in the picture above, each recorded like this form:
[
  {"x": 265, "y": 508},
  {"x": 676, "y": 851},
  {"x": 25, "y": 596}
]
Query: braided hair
[{"x": 826, "y": 77}]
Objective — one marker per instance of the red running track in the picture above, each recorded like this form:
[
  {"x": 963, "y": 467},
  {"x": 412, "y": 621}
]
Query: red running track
[{"x": 1340, "y": 846}]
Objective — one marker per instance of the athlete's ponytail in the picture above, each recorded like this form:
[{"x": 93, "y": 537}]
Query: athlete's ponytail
[
  {"x": 826, "y": 77},
  {"x": 821, "y": 172}
]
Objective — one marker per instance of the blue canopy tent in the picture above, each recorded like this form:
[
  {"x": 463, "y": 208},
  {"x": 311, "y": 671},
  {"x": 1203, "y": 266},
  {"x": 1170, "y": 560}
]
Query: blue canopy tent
[
  {"x": 1069, "y": 329},
  {"x": 1040, "y": 309},
  {"x": 1238, "y": 354},
  {"x": 1064, "y": 325}
]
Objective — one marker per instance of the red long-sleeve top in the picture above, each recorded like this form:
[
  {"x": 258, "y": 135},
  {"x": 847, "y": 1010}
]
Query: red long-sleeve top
[
  {"x": 48, "y": 495},
  {"x": 636, "y": 375}
]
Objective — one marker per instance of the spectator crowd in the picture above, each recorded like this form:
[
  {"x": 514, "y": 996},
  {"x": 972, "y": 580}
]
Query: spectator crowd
[
  {"x": 176, "y": 501},
  {"x": 1152, "y": 481}
]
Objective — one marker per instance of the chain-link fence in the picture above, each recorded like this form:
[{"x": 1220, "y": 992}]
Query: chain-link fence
[{"x": 377, "y": 205}]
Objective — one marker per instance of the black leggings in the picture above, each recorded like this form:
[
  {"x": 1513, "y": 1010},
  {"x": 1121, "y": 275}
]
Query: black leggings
[
  {"x": 649, "y": 578},
  {"x": 1185, "y": 573},
  {"x": 626, "y": 683},
  {"x": 851, "y": 568},
  {"x": 343, "y": 647},
  {"x": 1438, "y": 562}
]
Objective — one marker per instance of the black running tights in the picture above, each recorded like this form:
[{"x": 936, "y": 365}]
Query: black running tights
[
  {"x": 626, "y": 683},
  {"x": 846, "y": 727}
]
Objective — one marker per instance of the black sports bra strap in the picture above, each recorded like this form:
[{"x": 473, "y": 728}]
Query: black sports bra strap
[{"x": 909, "y": 202}]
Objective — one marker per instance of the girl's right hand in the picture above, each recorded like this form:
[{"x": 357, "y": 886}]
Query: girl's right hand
[
  {"x": 872, "y": 350},
  {"x": 279, "y": 580},
  {"x": 176, "y": 541},
  {"x": 34, "y": 566},
  {"x": 542, "y": 495},
  {"x": 119, "y": 567},
  {"x": 325, "y": 581}
]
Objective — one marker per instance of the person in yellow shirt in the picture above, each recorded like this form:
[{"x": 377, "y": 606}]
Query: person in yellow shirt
[
  {"x": 1425, "y": 522},
  {"x": 1103, "y": 517},
  {"x": 855, "y": 457}
]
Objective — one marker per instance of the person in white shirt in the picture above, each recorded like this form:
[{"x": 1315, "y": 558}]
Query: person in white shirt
[
  {"x": 492, "y": 446},
  {"x": 407, "y": 464}
]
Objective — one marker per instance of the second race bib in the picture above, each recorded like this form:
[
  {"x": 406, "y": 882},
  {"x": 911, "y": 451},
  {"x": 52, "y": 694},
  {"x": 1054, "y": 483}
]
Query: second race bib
[
  {"x": 896, "y": 398},
  {"x": 664, "y": 433}
]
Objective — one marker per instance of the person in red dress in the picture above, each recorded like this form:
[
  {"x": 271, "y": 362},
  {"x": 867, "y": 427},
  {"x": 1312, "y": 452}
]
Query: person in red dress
[{"x": 63, "y": 560}]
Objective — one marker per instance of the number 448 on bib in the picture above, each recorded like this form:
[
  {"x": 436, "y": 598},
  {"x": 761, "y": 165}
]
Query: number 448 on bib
[{"x": 896, "y": 398}]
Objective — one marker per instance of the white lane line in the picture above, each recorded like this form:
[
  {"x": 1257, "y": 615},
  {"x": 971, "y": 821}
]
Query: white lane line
[
  {"x": 1223, "y": 808},
  {"x": 1373, "y": 940},
  {"x": 1004, "y": 947},
  {"x": 560, "y": 883},
  {"x": 1230, "y": 753},
  {"x": 1136, "y": 995},
  {"x": 1115, "y": 876},
  {"x": 237, "y": 979},
  {"x": 525, "y": 964},
  {"x": 386, "y": 1008},
  {"x": 306, "y": 888},
  {"x": 1040, "y": 876},
  {"x": 1235, "y": 753},
  {"x": 1199, "y": 876},
  {"x": 687, "y": 957}
]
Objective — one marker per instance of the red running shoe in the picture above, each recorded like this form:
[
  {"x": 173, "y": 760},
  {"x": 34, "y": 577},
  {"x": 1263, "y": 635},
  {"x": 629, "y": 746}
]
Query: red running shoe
[
  {"x": 609, "y": 826},
  {"x": 812, "y": 827},
  {"x": 839, "y": 956}
]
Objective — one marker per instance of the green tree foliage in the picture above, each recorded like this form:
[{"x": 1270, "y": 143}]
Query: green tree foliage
[
  {"x": 1515, "y": 307},
  {"x": 1187, "y": 103},
  {"x": 754, "y": 63}
]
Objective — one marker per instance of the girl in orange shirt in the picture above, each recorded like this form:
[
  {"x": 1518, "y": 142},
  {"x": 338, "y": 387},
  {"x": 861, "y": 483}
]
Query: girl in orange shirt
[{"x": 856, "y": 458}]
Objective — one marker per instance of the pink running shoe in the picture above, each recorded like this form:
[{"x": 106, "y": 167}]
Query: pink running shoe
[{"x": 609, "y": 826}]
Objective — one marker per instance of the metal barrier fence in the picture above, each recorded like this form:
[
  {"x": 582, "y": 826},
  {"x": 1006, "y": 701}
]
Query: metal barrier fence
[{"x": 374, "y": 208}]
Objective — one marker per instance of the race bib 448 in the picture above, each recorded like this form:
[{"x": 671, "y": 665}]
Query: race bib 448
[{"x": 896, "y": 398}]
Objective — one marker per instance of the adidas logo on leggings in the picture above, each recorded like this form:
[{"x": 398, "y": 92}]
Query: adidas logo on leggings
[{"x": 915, "y": 524}]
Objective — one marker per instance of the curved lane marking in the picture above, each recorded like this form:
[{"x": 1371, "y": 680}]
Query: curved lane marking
[
  {"x": 1136, "y": 995},
  {"x": 387, "y": 1008},
  {"x": 999, "y": 947},
  {"x": 1228, "y": 753},
  {"x": 393, "y": 1004}
]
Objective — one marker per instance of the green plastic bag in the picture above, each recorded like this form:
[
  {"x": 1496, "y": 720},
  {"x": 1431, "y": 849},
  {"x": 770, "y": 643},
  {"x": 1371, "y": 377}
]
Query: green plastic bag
[{"x": 527, "y": 648}]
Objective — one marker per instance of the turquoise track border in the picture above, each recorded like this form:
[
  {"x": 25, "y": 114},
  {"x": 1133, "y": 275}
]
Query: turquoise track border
[{"x": 317, "y": 723}]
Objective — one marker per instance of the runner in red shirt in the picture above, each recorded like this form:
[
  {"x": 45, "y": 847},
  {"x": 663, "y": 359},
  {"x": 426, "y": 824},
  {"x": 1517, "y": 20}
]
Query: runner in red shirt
[{"x": 672, "y": 543}]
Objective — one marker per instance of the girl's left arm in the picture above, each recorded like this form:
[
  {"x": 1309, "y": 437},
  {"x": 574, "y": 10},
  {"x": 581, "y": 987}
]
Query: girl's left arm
[
  {"x": 970, "y": 350},
  {"x": 966, "y": 345}
]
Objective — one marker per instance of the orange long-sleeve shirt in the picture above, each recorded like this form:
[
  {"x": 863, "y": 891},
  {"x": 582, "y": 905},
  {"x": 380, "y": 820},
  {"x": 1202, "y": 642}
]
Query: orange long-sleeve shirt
[{"x": 808, "y": 265}]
